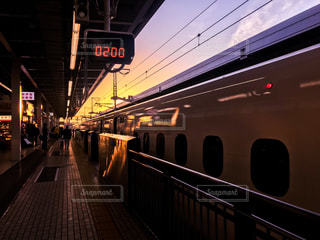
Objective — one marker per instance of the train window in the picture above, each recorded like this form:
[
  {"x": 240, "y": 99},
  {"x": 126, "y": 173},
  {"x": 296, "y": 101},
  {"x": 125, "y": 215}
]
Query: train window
[
  {"x": 101, "y": 126},
  {"x": 160, "y": 145},
  {"x": 270, "y": 166},
  {"x": 146, "y": 142},
  {"x": 121, "y": 119},
  {"x": 115, "y": 119},
  {"x": 213, "y": 155},
  {"x": 181, "y": 149}
]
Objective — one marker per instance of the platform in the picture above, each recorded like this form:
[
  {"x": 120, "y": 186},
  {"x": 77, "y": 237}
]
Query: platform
[
  {"x": 46, "y": 210},
  {"x": 6, "y": 163}
]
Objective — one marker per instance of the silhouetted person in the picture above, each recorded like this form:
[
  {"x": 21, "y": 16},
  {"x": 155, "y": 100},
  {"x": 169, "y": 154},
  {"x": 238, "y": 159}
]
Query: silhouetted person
[
  {"x": 56, "y": 132},
  {"x": 30, "y": 132},
  {"x": 23, "y": 135},
  {"x": 66, "y": 133},
  {"x": 60, "y": 131},
  {"x": 32, "y": 135},
  {"x": 36, "y": 134},
  {"x": 44, "y": 137}
]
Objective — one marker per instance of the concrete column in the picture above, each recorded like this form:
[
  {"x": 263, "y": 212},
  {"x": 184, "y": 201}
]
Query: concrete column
[{"x": 15, "y": 112}]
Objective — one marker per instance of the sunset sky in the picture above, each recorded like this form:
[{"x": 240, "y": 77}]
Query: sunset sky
[{"x": 175, "y": 14}]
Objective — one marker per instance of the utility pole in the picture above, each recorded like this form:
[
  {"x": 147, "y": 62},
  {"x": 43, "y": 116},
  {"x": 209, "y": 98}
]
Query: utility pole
[
  {"x": 107, "y": 28},
  {"x": 115, "y": 90}
]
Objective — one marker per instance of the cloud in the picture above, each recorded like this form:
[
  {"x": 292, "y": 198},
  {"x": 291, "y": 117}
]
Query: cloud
[{"x": 270, "y": 15}]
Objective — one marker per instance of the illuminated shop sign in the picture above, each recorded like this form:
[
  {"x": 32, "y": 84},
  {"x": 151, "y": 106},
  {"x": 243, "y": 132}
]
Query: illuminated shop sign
[
  {"x": 28, "y": 96},
  {"x": 5, "y": 117}
]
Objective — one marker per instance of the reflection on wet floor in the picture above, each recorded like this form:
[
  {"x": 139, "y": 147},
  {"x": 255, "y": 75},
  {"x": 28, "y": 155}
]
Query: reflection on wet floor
[
  {"x": 5, "y": 156},
  {"x": 128, "y": 225}
]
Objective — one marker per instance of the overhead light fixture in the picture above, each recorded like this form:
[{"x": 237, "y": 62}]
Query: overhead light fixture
[
  {"x": 69, "y": 88},
  {"x": 5, "y": 87},
  {"x": 74, "y": 42},
  {"x": 82, "y": 8},
  {"x": 68, "y": 103}
]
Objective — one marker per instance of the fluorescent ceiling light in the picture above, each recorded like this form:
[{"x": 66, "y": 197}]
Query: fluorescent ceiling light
[
  {"x": 74, "y": 42},
  {"x": 68, "y": 103},
  {"x": 4, "y": 86},
  {"x": 69, "y": 88}
]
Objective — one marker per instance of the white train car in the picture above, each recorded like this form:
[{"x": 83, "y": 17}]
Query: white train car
[{"x": 249, "y": 116}]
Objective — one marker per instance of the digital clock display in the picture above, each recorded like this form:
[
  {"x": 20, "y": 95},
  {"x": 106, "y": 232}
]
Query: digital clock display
[
  {"x": 109, "y": 52},
  {"x": 109, "y": 47}
]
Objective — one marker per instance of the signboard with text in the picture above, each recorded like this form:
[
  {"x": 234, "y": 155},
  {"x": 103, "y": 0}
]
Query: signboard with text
[
  {"x": 5, "y": 117},
  {"x": 28, "y": 96}
]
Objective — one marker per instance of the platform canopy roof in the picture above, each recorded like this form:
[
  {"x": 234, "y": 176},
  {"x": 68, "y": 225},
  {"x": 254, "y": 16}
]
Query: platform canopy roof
[{"x": 39, "y": 33}]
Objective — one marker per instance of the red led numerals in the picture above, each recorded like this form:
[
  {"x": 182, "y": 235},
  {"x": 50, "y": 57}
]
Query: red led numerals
[{"x": 107, "y": 52}]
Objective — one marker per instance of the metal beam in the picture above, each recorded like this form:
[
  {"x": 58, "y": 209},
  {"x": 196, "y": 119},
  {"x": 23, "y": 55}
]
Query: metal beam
[
  {"x": 16, "y": 60},
  {"x": 112, "y": 22},
  {"x": 107, "y": 15},
  {"x": 5, "y": 43},
  {"x": 32, "y": 57},
  {"x": 15, "y": 15}
]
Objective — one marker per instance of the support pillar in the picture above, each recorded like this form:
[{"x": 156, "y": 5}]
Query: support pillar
[
  {"x": 38, "y": 109},
  {"x": 115, "y": 90},
  {"x": 15, "y": 112}
]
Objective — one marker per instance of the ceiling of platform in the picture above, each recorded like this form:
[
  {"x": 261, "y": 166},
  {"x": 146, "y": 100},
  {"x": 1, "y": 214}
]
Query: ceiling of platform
[{"x": 39, "y": 33}]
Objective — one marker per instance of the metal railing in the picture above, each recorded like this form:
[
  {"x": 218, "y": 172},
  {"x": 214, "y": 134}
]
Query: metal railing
[{"x": 169, "y": 200}]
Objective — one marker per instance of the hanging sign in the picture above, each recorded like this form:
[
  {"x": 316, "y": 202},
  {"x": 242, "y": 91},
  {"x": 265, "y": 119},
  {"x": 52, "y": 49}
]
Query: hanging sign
[
  {"x": 28, "y": 96},
  {"x": 109, "y": 47}
]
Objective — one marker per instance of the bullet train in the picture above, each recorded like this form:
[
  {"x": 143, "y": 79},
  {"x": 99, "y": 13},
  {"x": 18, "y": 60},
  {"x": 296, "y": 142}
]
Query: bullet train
[{"x": 251, "y": 118}]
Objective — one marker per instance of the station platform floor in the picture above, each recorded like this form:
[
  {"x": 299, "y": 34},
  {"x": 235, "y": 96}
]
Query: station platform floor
[
  {"x": 46, "y": 210},
  {"x": 5, "y": 161}
]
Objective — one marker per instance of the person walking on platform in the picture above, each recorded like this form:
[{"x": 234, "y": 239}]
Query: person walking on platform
[
  {"x": 45, "y": 137},
  {"x": 30, "y": 132},
  {"x": 56, "y": 132},
  {"x": 36, "y": 134},
  {"x": 66, "y": 133}
]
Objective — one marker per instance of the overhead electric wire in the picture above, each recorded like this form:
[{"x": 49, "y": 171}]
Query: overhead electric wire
[
  {"x": 218, "y": 33},
  {"x": 216, "y": 22},
  {"x": 174, "y": 35},
  {"x": 186, "y": 43},
  {"x": 192, "y": 39},
  {"x": 206, "y": 40}
]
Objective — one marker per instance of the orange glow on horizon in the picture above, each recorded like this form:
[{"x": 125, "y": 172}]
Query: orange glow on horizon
[{"x": 151, "y": 67}]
